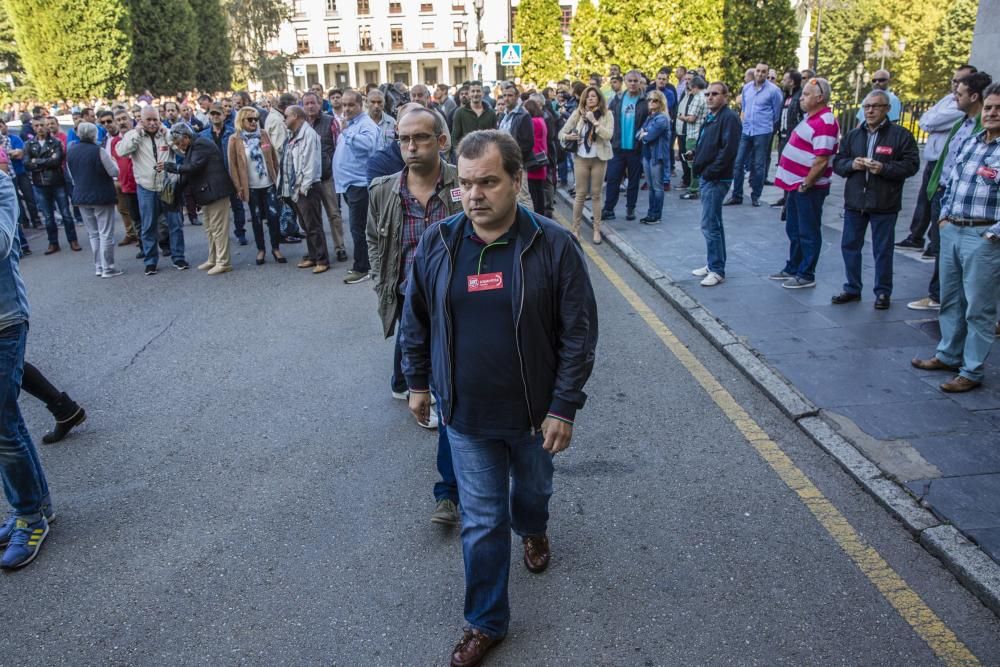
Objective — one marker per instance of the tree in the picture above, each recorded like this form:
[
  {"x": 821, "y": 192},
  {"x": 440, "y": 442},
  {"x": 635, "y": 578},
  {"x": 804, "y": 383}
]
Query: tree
[
  {"x": 252, "y": 25},
  {"x": 537, "y": 30},
  {"x": 585, "y": 35},
  {"x": 954, "y": 43},
  {"x": 650, "y": 34},
  {"x": 73, "y": 49},
  {"x": 215, "y": 56},
  {"x": 11, "y": 69},
  {"x": 165, "y": 46},
  {"x": 754, "y": 32}
]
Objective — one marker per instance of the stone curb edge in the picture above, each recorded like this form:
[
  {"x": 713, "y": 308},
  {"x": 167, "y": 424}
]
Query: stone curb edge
[{"x": 966, "y": 561}]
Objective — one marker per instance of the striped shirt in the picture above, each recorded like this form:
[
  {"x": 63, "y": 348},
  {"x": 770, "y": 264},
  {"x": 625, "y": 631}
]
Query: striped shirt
[
  {"x": 973, "y": 192},
  {"x": 816, "y": 136}
]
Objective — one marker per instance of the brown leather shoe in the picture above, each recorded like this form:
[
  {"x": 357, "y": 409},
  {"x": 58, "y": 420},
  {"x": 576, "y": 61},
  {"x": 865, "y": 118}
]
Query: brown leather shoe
[
  {"x": 128, "y": 240},
  {"x": 321, "y": 268},
  {"x": 536, "y": 553},
  {"x": 933, "y": 364},
  {"x": 472, "y": 648},
  {"x": 959, "y": 384},
  {"x": 306, "y": 263},
  {"x": 74, "y": 246}
]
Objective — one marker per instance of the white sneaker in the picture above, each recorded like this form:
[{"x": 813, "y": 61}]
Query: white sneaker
[
  {"x": 700, "y": 273},
  {"x": 926, "y": 303},
  {"x": 712, "y": 279},
  {"x": 431, "y": 423}
]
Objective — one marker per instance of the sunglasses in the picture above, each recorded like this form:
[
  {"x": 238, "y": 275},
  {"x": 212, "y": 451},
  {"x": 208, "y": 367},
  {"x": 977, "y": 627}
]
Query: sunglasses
[
  {"x": 712, "y": 94},
  {"x": 251, "y": 119},
  {"x": 880, "y": 80},
  {"x": 214, "y": 113}
]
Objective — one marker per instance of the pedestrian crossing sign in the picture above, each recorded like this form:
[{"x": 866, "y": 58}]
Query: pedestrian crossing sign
[{"x": 510, "y": 54}]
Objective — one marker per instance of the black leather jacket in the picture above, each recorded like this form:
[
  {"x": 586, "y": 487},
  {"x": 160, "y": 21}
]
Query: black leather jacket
[
  {"x": 864, "y": 191},
  {"x": 554, "y": 313},
  {"x": 44, "y": 159}
]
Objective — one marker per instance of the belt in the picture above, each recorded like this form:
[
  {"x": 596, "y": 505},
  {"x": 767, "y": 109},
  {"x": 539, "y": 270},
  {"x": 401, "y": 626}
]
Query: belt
[{"x": 970, "y": 222}]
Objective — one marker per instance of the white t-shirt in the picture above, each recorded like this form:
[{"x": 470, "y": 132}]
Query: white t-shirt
[{"x": 256, "y": 180}]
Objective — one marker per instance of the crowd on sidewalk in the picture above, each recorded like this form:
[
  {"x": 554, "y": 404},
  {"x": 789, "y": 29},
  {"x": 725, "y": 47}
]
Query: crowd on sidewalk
[{"x": 448, "y": 196}]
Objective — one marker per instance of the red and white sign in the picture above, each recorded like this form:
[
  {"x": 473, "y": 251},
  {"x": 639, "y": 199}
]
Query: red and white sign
[
  {"x": 883, "y": 150},
  {"x": 484, "y": 282}
]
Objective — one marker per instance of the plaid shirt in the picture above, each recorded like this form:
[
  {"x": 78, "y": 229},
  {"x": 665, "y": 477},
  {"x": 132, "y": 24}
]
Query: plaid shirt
[
  {"x": 973, "y": 192},
  {"x": 415, "y": 220},
  {"x": 692, "y": 104}
]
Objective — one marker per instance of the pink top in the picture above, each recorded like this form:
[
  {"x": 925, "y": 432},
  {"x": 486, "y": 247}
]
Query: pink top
[
  {"x": 541, "y": 143},
  {"x": 815, "y": 136}
]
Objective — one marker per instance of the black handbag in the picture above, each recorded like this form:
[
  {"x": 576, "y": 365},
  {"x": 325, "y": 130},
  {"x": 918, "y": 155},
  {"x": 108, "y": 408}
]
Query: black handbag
[{"x": 537, "y": 161}]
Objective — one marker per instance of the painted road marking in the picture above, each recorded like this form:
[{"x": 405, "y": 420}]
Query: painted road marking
[{"x": 939, "y": 637}]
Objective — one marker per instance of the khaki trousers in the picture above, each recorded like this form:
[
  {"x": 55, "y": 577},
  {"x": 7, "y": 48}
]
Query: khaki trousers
[
  {"x": 331, "y": 205},
  {"x": 589, "y": 173},
  {"x": 216, "y": 217}
]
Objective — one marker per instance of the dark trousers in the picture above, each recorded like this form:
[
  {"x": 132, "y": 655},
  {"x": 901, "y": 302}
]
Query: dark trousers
[
  {"x": 132, "y": 204},
  {"x": 853, "y": 242},
  {"x": 753, "y": 156},
  {"x": 803, "y": 225},
  {"x": 934, "y": 288},
  {"x": 623, "y": 163},
  {"x": 922, "y": 211},
  {"x": 685, "y": 165},
  {"x": 357, "y": 207},
  {"x": 23, "y": 182},
  {"x": 239, "y": 216},
  {"x": 309, "y": 208},
  {"x": 38, "y": 385},
  {"x": 261, "y": 209},
  {"x": 536, "y": 188},
  {"x": 190, "y": 206}
]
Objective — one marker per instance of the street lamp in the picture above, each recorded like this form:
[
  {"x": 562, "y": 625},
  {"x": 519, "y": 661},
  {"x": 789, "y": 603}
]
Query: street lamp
[
  {"x": 884, "y": 51},
  {"x": 477, "y": 6},
  {"x": 856, "y": 77}
]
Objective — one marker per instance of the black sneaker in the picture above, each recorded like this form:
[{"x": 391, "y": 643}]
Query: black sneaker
[
  {"x": 607, "y": 215},
  {"x": 140, "y": 255},
  {"x": 630, "y": 214},
  {"x": 778, "y": 204},
  {"x": 291, "y": 239},
  {"x": 909, "y": 244},
  {"x": 151, "y": 270},
  {"x": 755, "y": 202},
  {"x": 165, "y": 252},
  {"x": 25, "y": 251},
  {"x": 929, "y": 254},
  {"x": 242, "y": 239},
  {"x": 341, "y": 255},
  {"x": 182, "y": 265},
  {"x": 733, "y": 201}
]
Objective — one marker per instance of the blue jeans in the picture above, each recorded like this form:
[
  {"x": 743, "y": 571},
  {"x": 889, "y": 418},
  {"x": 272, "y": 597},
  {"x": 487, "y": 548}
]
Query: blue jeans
[
  {"x": 47, "y": 198},
  {"x": 239, "y": 216},
  {"x": 752, "y": 157},
  {"x": 623, "y": 163},
  {"x": 712, "y": 194},
  {"x": 23, "y": 478},
  {"x": 654, "y": 177},
  {"x": 504, "y": 483},
  {"x": 804, "y": 225},
  {"x": 149, "y": 211},
  {"x": 357, "y": 205},
  {"x": 970, "y": 288},
  {"x": 853, "y": 241}
]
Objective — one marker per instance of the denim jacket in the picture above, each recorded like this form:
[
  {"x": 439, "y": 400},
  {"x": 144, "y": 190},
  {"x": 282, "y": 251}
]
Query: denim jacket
[
  {"x": 656, "y": 143},
  {"x": 13, "y": 296}
]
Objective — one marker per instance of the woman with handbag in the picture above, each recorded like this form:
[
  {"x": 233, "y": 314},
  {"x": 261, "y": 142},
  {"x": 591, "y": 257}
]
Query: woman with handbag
[
  {"x": 587, "y": 136},
  {"x": 537, "y": 168},
  {"x": 656, "y": 138},
  {"x": 253, "y": 166}
]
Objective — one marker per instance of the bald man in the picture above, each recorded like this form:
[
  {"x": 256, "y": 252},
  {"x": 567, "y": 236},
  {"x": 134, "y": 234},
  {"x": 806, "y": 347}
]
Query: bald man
[{"x": 880, "y": 81}]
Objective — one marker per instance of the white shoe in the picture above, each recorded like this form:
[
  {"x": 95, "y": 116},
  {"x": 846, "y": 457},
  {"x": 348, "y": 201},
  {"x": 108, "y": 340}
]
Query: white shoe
[
  {"x": 712, "y": 279},
  {"x": 405, "y": 396},
  {"x": 431, "y": 423},
  {"x": 700, "y": 273}
]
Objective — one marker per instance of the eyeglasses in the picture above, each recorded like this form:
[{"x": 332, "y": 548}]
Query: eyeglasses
[
  {"x": 866, "y": 107},
  {"x": 880, "y": 80},
  {"x": 712, "y": 94},
  {"x": 214, "y": 113},
  {"x": 107, "y": 122},
  {"x": 418, "y": 139}
]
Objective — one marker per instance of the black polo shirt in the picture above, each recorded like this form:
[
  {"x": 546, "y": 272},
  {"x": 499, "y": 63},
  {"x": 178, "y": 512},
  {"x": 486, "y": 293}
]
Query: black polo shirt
[{"x": 489, "y": 391}]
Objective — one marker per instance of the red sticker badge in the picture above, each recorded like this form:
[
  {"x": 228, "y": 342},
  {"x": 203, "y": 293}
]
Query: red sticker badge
[
  {"x": 987, "y": 173},
  {"x": 456, "y": 194},
  {"x": 883, "y": 150},
  {"x": 485, "y": 282}
]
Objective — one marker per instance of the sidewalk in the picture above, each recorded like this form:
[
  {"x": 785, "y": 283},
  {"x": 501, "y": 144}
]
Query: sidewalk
[{"x": 851, "y": 361}]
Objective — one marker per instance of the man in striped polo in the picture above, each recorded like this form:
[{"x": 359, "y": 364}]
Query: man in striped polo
[{"x": 804, "y": 174}]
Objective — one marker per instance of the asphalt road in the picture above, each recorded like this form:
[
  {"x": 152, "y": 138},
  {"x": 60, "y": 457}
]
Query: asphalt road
[{"x": 246, "y": 491}]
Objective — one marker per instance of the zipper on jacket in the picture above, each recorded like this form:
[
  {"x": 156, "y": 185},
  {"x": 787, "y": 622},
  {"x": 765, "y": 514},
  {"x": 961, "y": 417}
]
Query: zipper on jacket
[
  {"x": 447, "y": 321},
  {"x": 517, "y": 331}
]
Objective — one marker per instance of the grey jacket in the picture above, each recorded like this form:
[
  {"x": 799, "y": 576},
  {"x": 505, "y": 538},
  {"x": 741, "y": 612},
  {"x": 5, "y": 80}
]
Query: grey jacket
[{"x": 385, "y": 243}]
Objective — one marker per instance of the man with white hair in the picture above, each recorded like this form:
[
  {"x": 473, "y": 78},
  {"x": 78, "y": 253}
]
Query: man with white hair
[
  {"x": 94, "y": 172},
  {"x": 386, "y": 124},
  {"x": 804, "y": 172},
  {"x": 149, "y": 147}
]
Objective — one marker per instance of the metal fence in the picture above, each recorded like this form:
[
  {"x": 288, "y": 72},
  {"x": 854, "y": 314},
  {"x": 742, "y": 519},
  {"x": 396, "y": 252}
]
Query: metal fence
[{"x": 847, "y": 112}]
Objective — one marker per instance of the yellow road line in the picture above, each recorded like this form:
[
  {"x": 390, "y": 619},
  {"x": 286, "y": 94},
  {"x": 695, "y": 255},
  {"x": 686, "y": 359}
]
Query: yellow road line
[{"x": 941, "y": 640}]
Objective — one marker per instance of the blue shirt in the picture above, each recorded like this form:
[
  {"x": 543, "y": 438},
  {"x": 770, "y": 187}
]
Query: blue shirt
[
  {"x": 16, "y": 145},
  {"x": 761, "y": 108},
  {"x": 628, "y": 121},
  {"x": 13, "y": 296},
  {"x": 357, "y": 143}
]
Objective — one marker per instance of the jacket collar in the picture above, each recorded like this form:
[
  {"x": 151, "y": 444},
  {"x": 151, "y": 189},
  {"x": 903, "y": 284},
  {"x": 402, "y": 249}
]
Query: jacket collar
[
  {"x": 447, "y": 180},
  {"x": 527, "y": 227}
]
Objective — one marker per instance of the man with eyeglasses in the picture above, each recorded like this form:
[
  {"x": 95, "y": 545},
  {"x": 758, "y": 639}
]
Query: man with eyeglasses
[
  {"x": 936, "y": 122},
  {"x": 876, "y": 159},
  {"x": 357, "y": 142},
  {"x": 880, "y": 81},
  {"x": 762, "y": 103},
  {"x": 402, "y": 206},
  {"x": 106, "y": 120}
]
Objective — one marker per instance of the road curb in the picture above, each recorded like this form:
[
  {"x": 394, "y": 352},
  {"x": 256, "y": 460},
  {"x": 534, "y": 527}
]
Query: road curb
[{"x": 970, "y": 565}]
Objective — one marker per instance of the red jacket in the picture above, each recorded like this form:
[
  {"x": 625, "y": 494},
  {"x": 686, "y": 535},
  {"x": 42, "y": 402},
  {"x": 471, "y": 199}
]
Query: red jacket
[{"x": 126, "y": 179}]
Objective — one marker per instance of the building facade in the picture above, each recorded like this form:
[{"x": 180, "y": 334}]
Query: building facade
[{"x": 350, "y": 43}]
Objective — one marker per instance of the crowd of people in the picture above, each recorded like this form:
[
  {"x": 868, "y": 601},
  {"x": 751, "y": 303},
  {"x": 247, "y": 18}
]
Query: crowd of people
[{"x": 449, "y": 196}]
